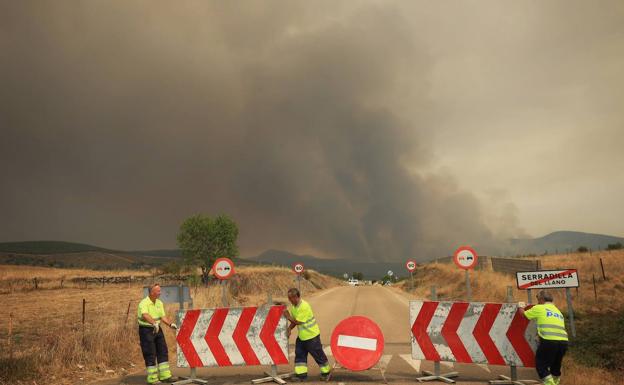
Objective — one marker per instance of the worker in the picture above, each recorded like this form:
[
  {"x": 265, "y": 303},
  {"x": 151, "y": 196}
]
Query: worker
[
  {"x": 309, "y": 336},
  {"x": 151, "y": 314},
  {"x": 553, "y": 338}
]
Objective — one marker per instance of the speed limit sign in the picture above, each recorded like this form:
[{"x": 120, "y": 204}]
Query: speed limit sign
[
  {"x": 298, "y": 268},
  {"x": 410, "y": 265}
]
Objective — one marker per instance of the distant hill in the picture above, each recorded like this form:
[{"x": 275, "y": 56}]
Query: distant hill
[
  {"x": 562, "y": 241},
  {"x": 47, "y": 247},
  {"x": 80, "y": 255},
  {"x": 335, "y": 267}
]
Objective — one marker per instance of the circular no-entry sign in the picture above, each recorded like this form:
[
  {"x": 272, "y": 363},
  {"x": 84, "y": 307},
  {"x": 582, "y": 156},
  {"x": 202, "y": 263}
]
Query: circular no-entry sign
[
  {"x": 357, "y": 343},
  {"x": 223, "y": 268},
  {"x": 465, "y": 257},
  {"x": 410, "y": 265},
  {"x": 298, "y": 268}
]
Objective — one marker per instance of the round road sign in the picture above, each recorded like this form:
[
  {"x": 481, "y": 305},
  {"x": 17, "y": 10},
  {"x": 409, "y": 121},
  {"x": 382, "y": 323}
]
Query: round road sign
[
  {"x": 465, "y": 257},
  {"x": 357, "y": 343},
  {"x": 223, "y": 268},
  {"x": 390, "y": 273},
  {"x": 345, "y": 275},
  {"x": 298, "y": 268},
  {"x": 410, "y": 265}
]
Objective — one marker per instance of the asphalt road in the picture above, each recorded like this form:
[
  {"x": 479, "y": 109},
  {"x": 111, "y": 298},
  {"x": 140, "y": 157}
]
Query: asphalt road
[{"x": 389, "y": 309}]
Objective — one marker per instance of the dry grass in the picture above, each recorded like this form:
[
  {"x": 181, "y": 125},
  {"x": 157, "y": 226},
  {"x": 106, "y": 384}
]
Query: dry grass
[
  {"x": 48, "y": 331},
  {"x": 490, "y": 286}
]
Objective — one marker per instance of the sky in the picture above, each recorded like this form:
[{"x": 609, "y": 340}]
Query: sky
[{"x": 373, "y": 130}]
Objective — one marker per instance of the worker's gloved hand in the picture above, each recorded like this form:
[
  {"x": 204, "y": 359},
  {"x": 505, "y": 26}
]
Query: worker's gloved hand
[
  {"x": 521, "y": 304},
  {"x": 173, "y": 326},
  {"x": 156, "y": 327}
]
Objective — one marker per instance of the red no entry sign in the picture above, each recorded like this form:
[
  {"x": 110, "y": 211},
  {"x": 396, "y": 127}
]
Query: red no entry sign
[
  {"x": 223, "y": 268},
  {"x": 357, "y": 343}
]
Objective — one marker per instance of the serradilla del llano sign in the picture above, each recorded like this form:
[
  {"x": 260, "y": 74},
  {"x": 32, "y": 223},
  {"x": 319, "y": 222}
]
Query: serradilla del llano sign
[{"x": 547, "y": 279}]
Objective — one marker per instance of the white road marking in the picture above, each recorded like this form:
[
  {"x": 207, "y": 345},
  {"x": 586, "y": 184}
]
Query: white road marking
[{"x": 412, "y": 362}]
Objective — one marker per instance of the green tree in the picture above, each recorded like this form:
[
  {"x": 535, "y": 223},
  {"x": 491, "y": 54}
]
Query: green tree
[{"x": 203, "y": 239}]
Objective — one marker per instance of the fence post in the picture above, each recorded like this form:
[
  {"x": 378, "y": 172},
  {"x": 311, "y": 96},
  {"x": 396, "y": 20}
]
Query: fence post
[
  {"x": 11, "y": 336},
  {"x": 604, "y": 277},
  {"x": 127, "y": 313},
  {"x": 84, "y": 306},
  {"x": 595, "y": 292}
]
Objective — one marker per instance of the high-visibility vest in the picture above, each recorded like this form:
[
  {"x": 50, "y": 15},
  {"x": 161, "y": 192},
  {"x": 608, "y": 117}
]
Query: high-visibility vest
[
  {"x": 155, "y": 309},
  {"x": 550, "y": 322},
  {"x": 303, "y": 313}
]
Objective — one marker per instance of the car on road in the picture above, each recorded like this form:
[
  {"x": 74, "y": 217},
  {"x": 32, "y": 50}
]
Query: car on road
[{"x": 353, "y": 282}]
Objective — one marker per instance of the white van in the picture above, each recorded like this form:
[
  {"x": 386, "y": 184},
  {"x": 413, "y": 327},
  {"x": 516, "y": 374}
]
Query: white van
[{"x": 353, "y": 282}]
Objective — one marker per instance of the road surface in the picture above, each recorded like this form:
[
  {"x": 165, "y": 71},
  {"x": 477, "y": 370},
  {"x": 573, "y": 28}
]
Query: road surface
[{"x": 389, "y": 309}]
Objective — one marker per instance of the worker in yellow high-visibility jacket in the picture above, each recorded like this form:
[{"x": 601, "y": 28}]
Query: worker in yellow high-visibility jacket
[
  {"x": 553, "y": 338},
  {"x": 308, "y": 337},
  {"x": 150, "y": 314}
]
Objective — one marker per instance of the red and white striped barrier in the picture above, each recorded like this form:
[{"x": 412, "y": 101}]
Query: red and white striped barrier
[
  {"x": 472, "y": 332},
  {"x": 232, "y": 336}
]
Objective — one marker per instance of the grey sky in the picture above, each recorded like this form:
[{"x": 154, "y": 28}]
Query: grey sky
[{"x": 371, "y": 130}]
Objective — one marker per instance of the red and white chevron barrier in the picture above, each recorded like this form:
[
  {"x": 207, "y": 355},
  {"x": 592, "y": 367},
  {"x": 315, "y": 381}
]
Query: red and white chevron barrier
[
  {"x": 232, "y": 336},
  {"x": 472, "y": 332}
]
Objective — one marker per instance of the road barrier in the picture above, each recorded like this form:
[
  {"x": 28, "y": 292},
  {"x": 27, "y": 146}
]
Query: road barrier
[
  {"x": 232, "y": 337},
  {"x": 472, "y": 332}
]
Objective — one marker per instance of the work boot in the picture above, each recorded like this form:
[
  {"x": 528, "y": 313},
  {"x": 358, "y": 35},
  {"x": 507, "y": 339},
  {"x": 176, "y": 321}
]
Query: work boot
[{"x": 548, "y": 380}]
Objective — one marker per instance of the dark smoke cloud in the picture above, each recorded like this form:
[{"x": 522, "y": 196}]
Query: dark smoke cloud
[{"x": 120, "y": 119}]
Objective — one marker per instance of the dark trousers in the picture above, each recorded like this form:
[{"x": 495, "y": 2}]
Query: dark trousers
[
  {"x": 548, "y": 357},
  {"x": 153, "y": 346},
  {"x": 313, "y": 347}
]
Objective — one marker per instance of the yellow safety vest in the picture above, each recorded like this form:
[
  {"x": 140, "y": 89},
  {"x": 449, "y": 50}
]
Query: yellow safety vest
[
  {"x": 550, "y": 322},
  {"x": 156, "y": 310},
  {"x": 303, "y": 313}
]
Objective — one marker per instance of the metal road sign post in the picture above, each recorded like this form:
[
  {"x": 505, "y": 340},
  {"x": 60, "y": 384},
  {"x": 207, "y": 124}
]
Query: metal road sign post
[
  {"x": 466, "y": 258},
  {"x": 298, "y": 269},
  {"x": 410, "y": 265},
  {"x": 436, "y": 375},
  {"x": 551, "y": 279}
]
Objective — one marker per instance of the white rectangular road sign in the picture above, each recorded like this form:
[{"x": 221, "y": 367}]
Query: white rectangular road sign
[{"x": 547, "y": 279}]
